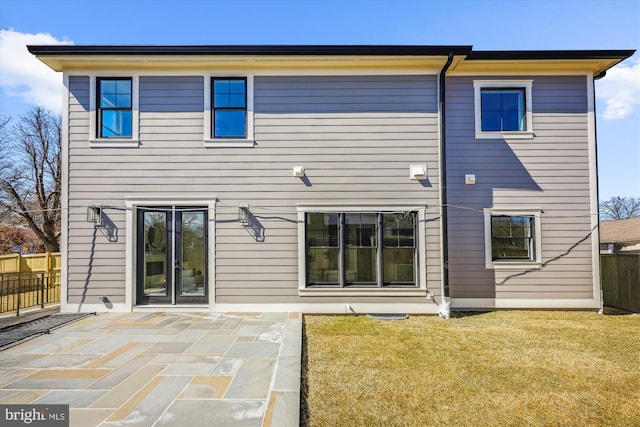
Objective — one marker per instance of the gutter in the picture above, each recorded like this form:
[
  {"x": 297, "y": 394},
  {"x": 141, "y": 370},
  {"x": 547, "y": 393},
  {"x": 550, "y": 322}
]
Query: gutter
[{"x": 445, "y": 308}]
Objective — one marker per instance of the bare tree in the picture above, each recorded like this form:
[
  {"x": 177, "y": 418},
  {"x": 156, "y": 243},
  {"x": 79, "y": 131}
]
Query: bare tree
[
  {"x": 620, "y": 208},
  {"x": 30, "y": 179}
]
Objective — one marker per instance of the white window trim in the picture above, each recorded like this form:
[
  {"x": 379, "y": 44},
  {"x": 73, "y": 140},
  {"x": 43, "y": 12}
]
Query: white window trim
[
  {"x": 537, "y": 240},
  {"x": 420, "y": 290},
  {"x": 94, "y": 140},
  {"x": 211, "y": 142},
  {"x": 478, "y": 85}
]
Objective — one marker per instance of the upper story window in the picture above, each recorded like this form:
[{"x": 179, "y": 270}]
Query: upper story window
[
  {"x": 503, "y": 109},
  {"x": 115, "y": 112},
  {"x": 229, "y": 107}
]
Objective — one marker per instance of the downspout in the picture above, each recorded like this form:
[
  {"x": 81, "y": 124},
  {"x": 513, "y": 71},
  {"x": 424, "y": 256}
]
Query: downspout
[
  {"x": 595, "y": 153},
  {"x": 445, "y": 305}
]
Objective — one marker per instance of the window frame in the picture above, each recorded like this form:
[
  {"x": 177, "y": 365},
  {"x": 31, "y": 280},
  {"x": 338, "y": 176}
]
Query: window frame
[
  {"x": 96, "y": 141},
  {"x": 535, "y": 260},
  {"x": 208, "y": 132},
  {"x": 380, "y": 288},
  {"x": 526, "y": 85},
  {"x": 100, "y": 109}
]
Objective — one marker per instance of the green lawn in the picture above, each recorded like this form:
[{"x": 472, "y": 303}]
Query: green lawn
[{"x": 491, "y": 369}]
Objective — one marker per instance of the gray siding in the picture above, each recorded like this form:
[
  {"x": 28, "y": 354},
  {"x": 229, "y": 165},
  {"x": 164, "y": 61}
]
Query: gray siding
[
  {"x": 550, "y": 172},
  {"x": 356, "y": 137}
]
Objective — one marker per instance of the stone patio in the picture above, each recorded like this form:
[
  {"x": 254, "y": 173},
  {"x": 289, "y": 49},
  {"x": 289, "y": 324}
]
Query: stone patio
[{"x": 163, "y": 369}]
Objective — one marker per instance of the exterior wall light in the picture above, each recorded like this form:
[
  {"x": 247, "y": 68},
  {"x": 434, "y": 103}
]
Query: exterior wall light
[
  {"x": 298, "y": 171},
  {"x": 243, "y": 215},
  {"x": 417, "y": 172},
  {"x": 94, "y": 215}
]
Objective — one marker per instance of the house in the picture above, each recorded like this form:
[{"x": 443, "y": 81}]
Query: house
[
  {"x": 328, "y": 178},
  {"x": 620, "y": 236}
]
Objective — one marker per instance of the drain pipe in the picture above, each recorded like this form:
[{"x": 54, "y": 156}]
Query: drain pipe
[
  {"x": 445, "y": 309},
  {"x": 595, "y": 134}
]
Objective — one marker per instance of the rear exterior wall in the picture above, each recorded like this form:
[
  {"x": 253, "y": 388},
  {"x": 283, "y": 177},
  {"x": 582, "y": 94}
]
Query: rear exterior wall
[{"x": 355, "y": 135}]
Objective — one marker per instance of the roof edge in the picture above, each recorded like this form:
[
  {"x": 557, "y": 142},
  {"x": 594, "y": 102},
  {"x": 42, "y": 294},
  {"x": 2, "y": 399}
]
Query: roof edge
[
  {"x": 479, "y": 55},
  {"x": 393, "y": 50}
]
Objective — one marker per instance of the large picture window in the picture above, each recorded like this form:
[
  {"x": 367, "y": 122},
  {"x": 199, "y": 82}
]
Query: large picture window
[
  {"x": 360, "y": 249},
  {"x": 229, "y": 107},
  {"x": 114, "y": 108}
]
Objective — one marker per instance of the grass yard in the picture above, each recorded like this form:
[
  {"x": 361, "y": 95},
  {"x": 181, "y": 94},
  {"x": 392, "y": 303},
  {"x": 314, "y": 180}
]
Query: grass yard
[{"x": 491, "y": 369}]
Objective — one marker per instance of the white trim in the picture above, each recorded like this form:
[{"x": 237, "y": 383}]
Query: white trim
[
  {"x": 537, "y": 239},
  {"x": 95, "y": 308},
  {"x": 501, "y": 74},
  {"x": 113, "y": 143},
  {"x": 357, "y": 207},
  {"x": 593, "y": 187},
  {"x": 229, "y": 143},
  {"x": 538, "y": 303},
  {"x": 420, "y": 290},
  {"x": 64, "y": 199},
  {"x": 131, "y": 233},
  {"x": 428, "y": 307},
  {"x": 478, "y": 85},
  {"x": 241, "y": 72},
  {"x": 96, "y": 142},
  {"x": 363, "y": 292}
]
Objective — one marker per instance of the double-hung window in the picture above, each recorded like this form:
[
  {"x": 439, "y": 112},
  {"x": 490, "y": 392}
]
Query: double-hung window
[
  {"x": 503, "y": 109},
  {"x": 114, "y": 107},
  {"x": 229, "y": 107},
  {"x": 512, "y": 238},
  {"x": 360, "y": 249}
]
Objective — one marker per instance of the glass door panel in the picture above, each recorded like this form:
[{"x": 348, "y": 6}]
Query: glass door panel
[
  {"x": 154, "y": 256},
  {"x": 191, "y": 227}
]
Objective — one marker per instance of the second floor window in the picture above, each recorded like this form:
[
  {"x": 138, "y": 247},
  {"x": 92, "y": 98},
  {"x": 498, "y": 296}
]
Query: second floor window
[
  {"x": 114, "y": 108},
  {"x": 229, "y": 107},
  {"x": 503, "y": 109}
]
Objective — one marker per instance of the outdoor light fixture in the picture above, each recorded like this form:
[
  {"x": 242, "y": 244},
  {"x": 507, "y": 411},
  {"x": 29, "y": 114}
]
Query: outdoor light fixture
[
  {"x": 417, "y": 172},
  {"x": 243, "y": 215},
  {"x": 94, "y": 215},
  {"x": 298, "y": 171}
]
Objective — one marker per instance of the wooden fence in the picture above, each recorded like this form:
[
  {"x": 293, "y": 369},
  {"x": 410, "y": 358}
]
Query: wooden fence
[
  {"x": 621, "y": 281},
  {"x": 35, "y": 263},
  {"x": 29, "y": 281}
]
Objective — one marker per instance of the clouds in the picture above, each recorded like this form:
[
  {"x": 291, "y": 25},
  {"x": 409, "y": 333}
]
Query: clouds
[
  {"x": 620, "y": 90},
  {"x": 24, "y": 77}
]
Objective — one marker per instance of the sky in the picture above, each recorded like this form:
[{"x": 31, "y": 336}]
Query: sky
[{"x": 484, "y": 24}]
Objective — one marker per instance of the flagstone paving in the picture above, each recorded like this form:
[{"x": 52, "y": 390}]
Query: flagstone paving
[{"x": 163, "y": 369}]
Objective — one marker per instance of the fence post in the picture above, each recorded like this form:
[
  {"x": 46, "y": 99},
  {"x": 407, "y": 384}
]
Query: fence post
[
  {"x": 18, "y": 305},
  {"x": 42, "y": 290}
]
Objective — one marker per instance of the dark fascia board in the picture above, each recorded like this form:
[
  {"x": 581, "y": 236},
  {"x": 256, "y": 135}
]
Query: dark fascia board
[
  {"x": 496, "y": 55},
  {"x": 323, "y": 50}
]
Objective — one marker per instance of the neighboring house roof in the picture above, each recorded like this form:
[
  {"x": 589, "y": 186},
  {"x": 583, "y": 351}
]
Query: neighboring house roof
[
  {"x": 625, "y": 231},
  {"x": 60, "y": 57}
]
